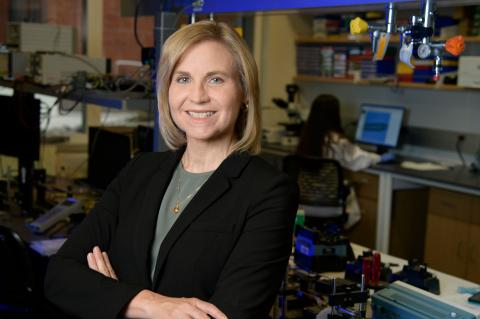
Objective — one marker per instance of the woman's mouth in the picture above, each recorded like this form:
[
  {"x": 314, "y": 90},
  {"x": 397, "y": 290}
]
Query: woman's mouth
[{"x": 200, "y": 115}]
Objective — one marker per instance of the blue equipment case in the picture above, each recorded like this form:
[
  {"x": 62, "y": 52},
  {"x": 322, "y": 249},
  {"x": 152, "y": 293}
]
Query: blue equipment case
[{"x": 403, "y": 301}]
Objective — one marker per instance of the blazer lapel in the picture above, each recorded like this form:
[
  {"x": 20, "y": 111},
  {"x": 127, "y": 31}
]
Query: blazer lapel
[
  {"x": 215, "y": 187},
  {"x": 145, "y": 229}
]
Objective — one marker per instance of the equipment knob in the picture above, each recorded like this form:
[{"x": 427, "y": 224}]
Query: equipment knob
[
  {"x": 455, "y": 45},
  {"x": 358, "y": 26}
]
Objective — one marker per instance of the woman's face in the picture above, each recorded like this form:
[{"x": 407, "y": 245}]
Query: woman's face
[{"x": 205, "y": 95}]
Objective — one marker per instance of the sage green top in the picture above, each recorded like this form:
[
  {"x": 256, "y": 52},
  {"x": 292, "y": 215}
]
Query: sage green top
[{"x": 182, "y": 188}]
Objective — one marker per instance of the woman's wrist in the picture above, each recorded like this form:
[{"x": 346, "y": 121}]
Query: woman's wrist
[{"x": 141, "y": 304}]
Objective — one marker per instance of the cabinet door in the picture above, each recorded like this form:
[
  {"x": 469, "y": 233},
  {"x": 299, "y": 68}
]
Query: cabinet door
[
  {"x": 366, "y": 184},
  {"x": 364, "y": 233},
  {"x": 473, "y": 266},
  {"x": 446, "y": 245}
]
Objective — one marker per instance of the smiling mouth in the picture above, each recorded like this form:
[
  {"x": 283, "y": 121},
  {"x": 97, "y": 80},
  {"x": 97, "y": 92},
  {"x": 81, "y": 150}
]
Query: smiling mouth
[{"x": 200, "y": 115}]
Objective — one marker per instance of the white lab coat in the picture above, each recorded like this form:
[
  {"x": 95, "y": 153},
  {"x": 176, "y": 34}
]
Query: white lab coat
[{"x": 349, "y": 155}]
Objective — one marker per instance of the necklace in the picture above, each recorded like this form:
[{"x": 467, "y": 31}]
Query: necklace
[{"x": 176, "y": 208}]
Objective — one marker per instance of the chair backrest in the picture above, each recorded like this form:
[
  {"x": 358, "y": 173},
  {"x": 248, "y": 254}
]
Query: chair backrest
[
  {"x": 322, "y": 192},
  {"x": 16, "y": 274}
]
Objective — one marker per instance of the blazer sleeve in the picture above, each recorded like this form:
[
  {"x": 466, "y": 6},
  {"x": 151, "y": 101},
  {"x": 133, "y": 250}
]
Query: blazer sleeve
[
  {"x": 70, "y": 284},
  {"x": 253, "y": 273}
]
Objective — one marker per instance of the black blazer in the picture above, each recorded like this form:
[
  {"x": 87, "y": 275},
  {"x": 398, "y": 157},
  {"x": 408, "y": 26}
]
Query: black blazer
[{"x": 229, "y": 246}]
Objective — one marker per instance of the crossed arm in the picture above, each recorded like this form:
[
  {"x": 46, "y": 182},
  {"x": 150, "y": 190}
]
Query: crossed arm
[{"x": 148, "y": 304}]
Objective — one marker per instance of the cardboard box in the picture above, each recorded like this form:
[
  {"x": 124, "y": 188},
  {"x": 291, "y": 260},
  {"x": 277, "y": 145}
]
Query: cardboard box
[{"x": 469, "y": 71}]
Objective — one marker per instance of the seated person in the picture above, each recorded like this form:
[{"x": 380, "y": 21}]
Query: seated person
[{"x": 323, "y": 136}]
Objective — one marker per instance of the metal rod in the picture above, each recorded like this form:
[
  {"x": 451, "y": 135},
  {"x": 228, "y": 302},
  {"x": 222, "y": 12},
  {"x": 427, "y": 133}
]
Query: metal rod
[
  {"x": 391, "y": 18},
  {"x": 428, "y": 16},
  {"x": 363, "y": 306}
]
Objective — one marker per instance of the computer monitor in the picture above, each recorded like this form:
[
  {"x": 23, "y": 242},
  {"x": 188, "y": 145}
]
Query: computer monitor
[
  {"x": 111, "y": 148},
  {"x": 20, "y": 126},
  {"x": 379, "y": 125}
]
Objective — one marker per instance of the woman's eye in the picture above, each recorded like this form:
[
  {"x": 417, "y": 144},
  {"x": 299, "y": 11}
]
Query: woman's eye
[
  {"x": 182, "y": 79},
  {"x": 216, "y": 80}
]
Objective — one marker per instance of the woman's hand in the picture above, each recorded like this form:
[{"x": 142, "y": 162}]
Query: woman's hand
[
  {"x": 98, "y": 261},
  {"x": 148, "y": 304}
]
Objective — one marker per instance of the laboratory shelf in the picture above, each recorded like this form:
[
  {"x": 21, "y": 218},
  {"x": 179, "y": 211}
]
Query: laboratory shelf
[
  {"x": 409, "y": 85},
  {"x": 112, "y": 99}
]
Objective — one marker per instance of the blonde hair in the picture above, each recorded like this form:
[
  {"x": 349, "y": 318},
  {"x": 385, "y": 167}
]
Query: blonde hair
[{"x": 248, "y": 125}]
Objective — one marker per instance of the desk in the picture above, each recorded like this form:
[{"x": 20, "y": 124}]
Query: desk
[
  {"x": 391, "y": 177},
  {"x": 457, "y": 179},
  {"x": 448, "y": 284}
]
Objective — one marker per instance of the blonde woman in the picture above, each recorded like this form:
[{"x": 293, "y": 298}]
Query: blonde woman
[{"x": 201, "y": 231}]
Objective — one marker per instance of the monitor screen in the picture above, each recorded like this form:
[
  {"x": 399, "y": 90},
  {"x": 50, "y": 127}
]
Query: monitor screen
[
  {"x": 379, "y": 125},
  {"x": 20, "y": 126}
]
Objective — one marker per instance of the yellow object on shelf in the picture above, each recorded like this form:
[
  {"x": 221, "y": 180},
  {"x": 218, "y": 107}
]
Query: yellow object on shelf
[{"x": 358, "y": 26}]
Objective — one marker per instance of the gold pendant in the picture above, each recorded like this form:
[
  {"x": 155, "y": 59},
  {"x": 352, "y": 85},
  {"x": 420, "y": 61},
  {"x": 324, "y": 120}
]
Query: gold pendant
[{"x": 176, "y": 209}]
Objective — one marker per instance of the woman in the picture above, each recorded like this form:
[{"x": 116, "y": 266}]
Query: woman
[
  {"x": 203, "y": 230},
  {"x": 323, "y": 136}
]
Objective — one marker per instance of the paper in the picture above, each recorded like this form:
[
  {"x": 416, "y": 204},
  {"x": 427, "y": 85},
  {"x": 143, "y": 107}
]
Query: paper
[{"x": 423, "y": 166}]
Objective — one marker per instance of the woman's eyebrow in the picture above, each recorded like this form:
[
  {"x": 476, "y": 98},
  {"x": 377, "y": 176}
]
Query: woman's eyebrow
[
  {"x": 179, "y": 72},
  {"x": 218, "y": 73}
]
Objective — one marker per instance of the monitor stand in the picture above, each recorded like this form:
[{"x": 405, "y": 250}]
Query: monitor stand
[{"x": 382, "y": 150}]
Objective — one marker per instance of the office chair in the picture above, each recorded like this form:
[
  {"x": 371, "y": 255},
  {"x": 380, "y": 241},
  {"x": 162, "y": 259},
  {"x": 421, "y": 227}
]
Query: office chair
[
  {"x": 322, "y": 191},
  {"x": 16, "y": 277}
]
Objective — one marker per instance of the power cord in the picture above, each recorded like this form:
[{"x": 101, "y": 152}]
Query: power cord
[
  {"x": 458, "y": 146},
  {"x": 135, "y": 23}
]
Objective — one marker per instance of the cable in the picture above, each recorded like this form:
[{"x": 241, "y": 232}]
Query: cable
[
  {"x": 92, "y": 66},
  {"x": 458, "y": 144},
  {"x": 180, "y": 12},
  {"x": 135, "y": 21}
]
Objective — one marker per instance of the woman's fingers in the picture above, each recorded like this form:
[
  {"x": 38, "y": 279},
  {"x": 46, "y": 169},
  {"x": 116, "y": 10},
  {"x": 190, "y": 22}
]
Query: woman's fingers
[
  {"x": 92, "y": 264},
  {"x": 112, "y": 273},
  {"x": 190, "y": 311},
  {"x": 99, "y": 261},
  {"x": 102, "y": 267},
  {"x": 208, "y": 308}
]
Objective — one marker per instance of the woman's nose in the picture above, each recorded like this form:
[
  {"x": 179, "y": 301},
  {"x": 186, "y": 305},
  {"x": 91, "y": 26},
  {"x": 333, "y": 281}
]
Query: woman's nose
[{"x": 199, "y": 93}]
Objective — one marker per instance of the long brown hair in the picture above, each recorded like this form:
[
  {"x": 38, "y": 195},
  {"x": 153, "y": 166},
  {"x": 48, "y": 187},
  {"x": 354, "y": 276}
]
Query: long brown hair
[{"x": 323, "y": 122}]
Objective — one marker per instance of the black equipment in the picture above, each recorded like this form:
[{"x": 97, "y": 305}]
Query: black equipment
[
  {"x": 416, "y": 274},
  {"x": 322, "y": 250},
  {"x": 111, "y": 148},
  {"x": 20, "y": 138}
]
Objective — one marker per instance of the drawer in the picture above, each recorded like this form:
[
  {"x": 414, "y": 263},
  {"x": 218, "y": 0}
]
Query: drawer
[
  {"x": 366, "y": 185},
  {"x": 450, "y": 204}
]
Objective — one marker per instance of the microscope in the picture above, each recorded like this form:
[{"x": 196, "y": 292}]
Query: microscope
[
  {"x": 294, "y": 125},
  {"x": 415, "y": 38}
]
